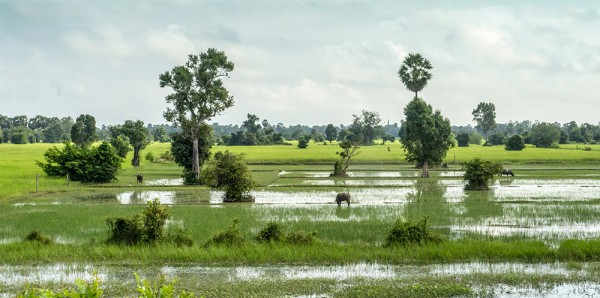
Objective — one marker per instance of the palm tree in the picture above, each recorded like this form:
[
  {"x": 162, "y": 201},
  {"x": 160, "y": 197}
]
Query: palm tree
[{"x": 414, "y": 72}]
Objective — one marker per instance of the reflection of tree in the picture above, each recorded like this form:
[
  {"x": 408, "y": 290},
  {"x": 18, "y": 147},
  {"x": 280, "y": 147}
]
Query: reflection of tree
[
  {"x": 343, "y": 212},
  {"x": 428, "y": 200},
  {"x": 505, "y": 182},
  {"x": 481, "y": 204}
]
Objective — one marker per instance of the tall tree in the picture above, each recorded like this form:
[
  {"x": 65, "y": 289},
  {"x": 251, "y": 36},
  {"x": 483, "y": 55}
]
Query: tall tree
[
  {"x": 485, "y": 116},
  {"x": 427, "y": 136},
  {"x": 366, "y": 127},
  {"x": 198, "y": 95},
  {"x": 136, "y": 134},
  {"x": 83, "y": 132},
  {"x": 414, "y": 72},
  {"x": 330, "y": 133}
]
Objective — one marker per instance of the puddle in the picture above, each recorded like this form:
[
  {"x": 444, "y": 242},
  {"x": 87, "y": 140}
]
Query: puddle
[
  {"x": 334, "y": 182},
  {"x": 164, "y": 182},
  {"x": 132, "y": 197},
  {"x": 17, "y": 276}
]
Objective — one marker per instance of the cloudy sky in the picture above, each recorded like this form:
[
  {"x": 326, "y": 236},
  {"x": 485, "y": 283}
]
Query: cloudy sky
[{"x": 303, "y": 61}]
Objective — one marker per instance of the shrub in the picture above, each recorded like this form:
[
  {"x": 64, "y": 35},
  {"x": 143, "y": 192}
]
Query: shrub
[
  {"x": 125, "y": 231},
  {"x": 167, "y": 156},
  {"x": 554, "y": 145},
  {"x": 515, "y": 143},
  {"x": 149, "y": 157},
  {"x": 179, "y": 237},
  {"x": 478, "y": 173},
  {"x": 121, "y": 145},
  {"x": 497, "y": 139},
  {"x": 159, "y": 289},
  {"x": 82, "y": 289},
  {"x": 270, "y": 233},
  {"x": 155, "y": 216},
  {"x": 231, "y": 237},
  {"x": 36, "y": 236},
  {"x": 228, "y": 171},
  {"x": 302, "y": 143},
  {"x": 97, "y": 165},
  {"x": 462, "y": 138},
  {"x": 136, "y": 230},
  {"x": 405, "y": 232},
  {"x": 475, "y": 138}
]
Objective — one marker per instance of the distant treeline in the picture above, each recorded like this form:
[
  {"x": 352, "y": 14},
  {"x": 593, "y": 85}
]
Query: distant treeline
[{"x": 21, "y": 130}]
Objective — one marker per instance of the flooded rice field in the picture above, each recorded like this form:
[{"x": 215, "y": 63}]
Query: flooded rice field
[{"x": 575, "y": 280}]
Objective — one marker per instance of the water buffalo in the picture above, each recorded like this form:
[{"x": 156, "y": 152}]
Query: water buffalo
[
  {"x": 140, "y": 178},
  {"x": 342, "y": 196},
  {"x": 507, "y": 172}
]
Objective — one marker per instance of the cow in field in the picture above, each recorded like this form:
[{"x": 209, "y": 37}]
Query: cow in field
[
  {"x": 507, "y": 172},
  {"x": 140, "y": 178}
]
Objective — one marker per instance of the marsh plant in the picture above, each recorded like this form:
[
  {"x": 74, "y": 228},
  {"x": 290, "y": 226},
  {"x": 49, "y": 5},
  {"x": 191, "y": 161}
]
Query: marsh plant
[
  {"x": 478, "y": 173},
  {"x": 406, "y": 232},
  {"x": 38, "y": 237},
  {"x": 135, "y": 230}
]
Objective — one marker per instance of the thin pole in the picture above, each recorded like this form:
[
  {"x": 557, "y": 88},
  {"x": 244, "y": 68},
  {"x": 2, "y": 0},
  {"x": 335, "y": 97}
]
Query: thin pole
[{"x": 37, "y": 181}]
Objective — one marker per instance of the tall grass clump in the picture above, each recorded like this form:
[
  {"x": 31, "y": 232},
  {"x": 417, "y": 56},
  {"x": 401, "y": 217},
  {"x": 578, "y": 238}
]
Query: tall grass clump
[
  {"x": 231, "y": 237},
  {"x": 405, "y": 232}
]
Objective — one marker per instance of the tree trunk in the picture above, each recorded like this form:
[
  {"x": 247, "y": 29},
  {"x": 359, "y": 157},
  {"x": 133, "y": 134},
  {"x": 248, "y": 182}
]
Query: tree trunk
[
  {"x": 425, "y": 170},
  {"x": 195, "y": 157},
  {"x": 136, "y": 156}
]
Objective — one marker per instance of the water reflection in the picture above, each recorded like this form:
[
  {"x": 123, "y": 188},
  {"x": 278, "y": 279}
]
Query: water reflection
[{"x": 343, "y": 212}]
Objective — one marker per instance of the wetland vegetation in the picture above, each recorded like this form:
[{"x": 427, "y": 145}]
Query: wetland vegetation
[{"x": 533, "y": 234}]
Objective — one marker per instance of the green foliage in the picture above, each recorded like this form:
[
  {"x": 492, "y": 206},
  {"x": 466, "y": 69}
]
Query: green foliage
[
  {"x": 515, "y": 143},
  {"x": 136, "y": 230},
  {"x": 463, "y": 139},
  {"x": 199, "y": 95},
  {"x": 136, "y": 134},
  {"x": 365, "y": 128},
  {"x": 121, "y": 145},
  {"x": 37, "y": 236},
  {"x": 82, "y": 289},
  {"x": 20, "y": 135},
  {"x": 349, "y": 150},
  {"x": 178, "y": 236},
  {"x": 149, "y": 157},
  {"x": 182, "y": 145},
  {"x": 155, "y": 216},
  {"x": 229, "y": 172},
  {"x": 231, "y": 237},
  {"x": 83, "y": 132},
  {"x": 427, "y": 135},
  {"x": 475, "y": 138},
  {"x": 301, "y": 238},
  {"x": 497, "y": 139},
  {"x": 406, "y": 232},
  {"x": 544, "y": 134},
  {"x": 478, "y": 173},
  {"x": 272, "y": 232},
  {"x": 414, "y": 72},
  {"x": 125, "y": 231},
  {"x": 159, "y": 289},
  {"x": 96, "y": 165},
  {"x": 485, "y": 117},
  {"x": 303, "y": 143},
  {"x": 330, "y": 132}
]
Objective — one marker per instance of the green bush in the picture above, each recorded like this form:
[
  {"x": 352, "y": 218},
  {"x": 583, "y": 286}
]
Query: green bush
[
  {"x": 36, "y": 236},
  {"x": 270, "y": 233},
  {"x": 85, "y": 164},
  {"x": 82, "y": 289},
  {"x": 478, "y": 173},
  {"x": 231, "y": 237},
  {"x": 179, "y": 237},
  {"x": 462, "y": 138},
  {"x": 228, "y": 171},
  {"x": 121, "y": 145},
  {"x": 302, "y": 143},
  {"x": 149, "y": 157},
  {"x": 125, "y": 231},
  {"x": 515, "y": 143},
  {"x": 135, "y": 230},
  {"x": 405, "y": 232}
]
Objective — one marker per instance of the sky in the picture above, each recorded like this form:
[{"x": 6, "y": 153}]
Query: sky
[{"x": 303, "y": 61}]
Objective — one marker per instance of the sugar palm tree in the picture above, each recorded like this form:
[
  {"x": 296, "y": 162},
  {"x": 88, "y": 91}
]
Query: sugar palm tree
[{"x": 414, "y": 72}]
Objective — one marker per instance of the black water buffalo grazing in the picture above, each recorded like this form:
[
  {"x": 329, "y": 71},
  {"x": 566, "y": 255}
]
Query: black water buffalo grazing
[
  {"x": 342, "y": 196},
  {"x": 140, "y": 178},
  {"x": 507, "y": 172}
]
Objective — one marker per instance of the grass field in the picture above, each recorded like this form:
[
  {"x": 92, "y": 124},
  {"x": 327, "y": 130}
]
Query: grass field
[{"x": 548, "y": 213}]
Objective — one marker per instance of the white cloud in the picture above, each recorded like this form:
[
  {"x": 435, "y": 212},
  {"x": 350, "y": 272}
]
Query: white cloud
[
  {"x": 105, "y": 41},
  {"x": 173, "y": 42}
]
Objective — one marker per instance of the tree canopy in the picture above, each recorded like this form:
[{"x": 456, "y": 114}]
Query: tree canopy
[
  {"x": 485, "y": 117},
  {"x": 366, "y": 127},
  {"x": 83, "y": 132},
  {"x": 199, "y": 94},
  {"x": 427, "y": 136},
  {"x": 414, "y": 72}
]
